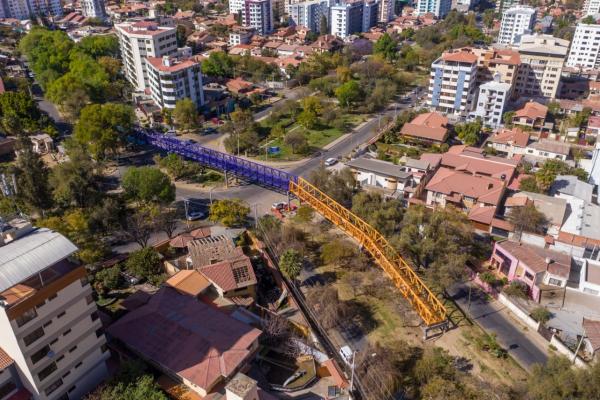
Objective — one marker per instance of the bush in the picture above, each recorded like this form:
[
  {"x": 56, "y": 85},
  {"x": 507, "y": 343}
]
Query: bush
[
  {"x": 145, "y": 264},
  {"x": 488, "y": 278},
  {"x": 516, "y": 289},
  {"x": 541, "y": 315},
  {"x": 110, "y": 277}
]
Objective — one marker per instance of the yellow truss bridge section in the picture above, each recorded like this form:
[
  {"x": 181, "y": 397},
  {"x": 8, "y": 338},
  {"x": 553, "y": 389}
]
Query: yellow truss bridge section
[{"x": 429, "y": 307}]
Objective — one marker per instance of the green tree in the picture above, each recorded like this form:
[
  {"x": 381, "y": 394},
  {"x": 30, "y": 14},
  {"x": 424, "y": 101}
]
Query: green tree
[
  {"x": 386, "y": 46},
  {"x": 348, "y": 93},
  {"x": 229, "y": 212},
  {"x": 103, "y": 127},
  {"x": 507, "y": 118},
  {"x": 383, "y": 215},
  {"x": 323, "y": 25},
  {"x": 541, "y": 314},
  {"x": 340, "y": 185},
  {"x": 529, "y": 219},
  {"x": 296, "y": 140},
  {"x": 551, "y": 168},
  {"x": 488, "y": 18},
  {"x": 304, "y": 214},
  {"x": 290, "y": 264},
  {"x": 186, "y": 114},
  {"x": 338, "y": 252},
  {"x": 469, "y": 133},
  {"x": 148, "y": 185},
  {"x": 590, "y": 20},
  {"x": 529, "y": 184},
  {"x": 181, "y": 34},
  {"x": 110, "y": 277},
  {"x": 97, "y": 46},
  {"x": 144, "y": 263},
  {"x": 48, "y": 53},
  {"x": 19, "y": 113},
  {"x": 218, "y": 64},
  {"x": 32, "y": 177}
]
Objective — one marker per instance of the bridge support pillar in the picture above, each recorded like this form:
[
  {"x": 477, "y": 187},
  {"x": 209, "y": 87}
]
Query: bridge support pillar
[{"x": 226, "y": 179}]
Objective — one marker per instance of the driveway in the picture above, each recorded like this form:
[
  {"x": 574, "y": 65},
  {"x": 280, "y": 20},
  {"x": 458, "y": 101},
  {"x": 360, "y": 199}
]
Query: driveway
[{"x": 527, "y": 347}]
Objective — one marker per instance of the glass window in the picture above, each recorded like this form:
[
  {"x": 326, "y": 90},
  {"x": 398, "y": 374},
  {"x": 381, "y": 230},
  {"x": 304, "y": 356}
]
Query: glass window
[
  {"x": 46, "y": 372},
  {"x": 53, "y": 387},
  {"x": 7, "y": 388},
  {"x": 26, "y": 317},
  {"x": 38, "y": 355},
  {"x": 33, "y": 336}
]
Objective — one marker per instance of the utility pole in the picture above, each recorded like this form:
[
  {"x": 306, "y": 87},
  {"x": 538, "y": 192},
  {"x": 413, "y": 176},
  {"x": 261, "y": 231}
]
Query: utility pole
[
  {"x": 187, "y": 221},
  {"x": 352, "y": 373}
]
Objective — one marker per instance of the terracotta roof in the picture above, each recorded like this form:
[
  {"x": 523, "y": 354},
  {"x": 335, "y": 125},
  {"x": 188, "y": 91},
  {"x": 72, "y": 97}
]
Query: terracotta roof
[
  {"x": 514, "y": 136},
  {"x": 516, "y": 201},
  {"x": 535, "y": 258},
  {"x": 187, "y": 337},
  {"x": 483, "y": 189},
  {"x": 335, "y": 372},
  {"x": 5, "y": 360},
  {"x": 483, "y": 215},
  {"x": 230, "y": 274},
  {"x": 552, "y": 146},
  {"x": 430, "y": 125},
  {"x": 463, "y": 56},
  {"x": 213, "y": 249},
  {"x": 532, "y": 110},
  {"x": 592, "y": 331},
  {"x": 502, "y": 224},
  {"x": 238, "y": 84},
  {"x": 189, "y": 282},
  {"x": 593, "y": 121},
  {"x": 175, "y": 65}
]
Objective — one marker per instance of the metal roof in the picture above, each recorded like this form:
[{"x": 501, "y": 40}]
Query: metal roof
[
  {"x": 378, "y": 167},
  {"x": 33, "y": 253},
  {"x": 571, "y": 185}
]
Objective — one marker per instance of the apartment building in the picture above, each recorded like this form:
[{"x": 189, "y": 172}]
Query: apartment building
[
  {"x": 93, "y": 8},
  {"x": 516, "y": 22},
  {"x": 452, "y": 84},
  {"x": 309, "y": 14},
  {"x": 503, "y": 5},
  {"x": 49, "y": 325},
  {"x": 585, "y": 47},
  {"x": 236, "y": 6},
  {"x": 542, "y": 58},
  {"x": 495, "y": 63},
  {"x": 386, "y": 11},
  {"x": 240, "y": 35},
  {"x": 353, "y": 17},
  {"x": 591, "y": 7},
  {"x": 491, "y": 102},
  {"x": 139, "y": 40},
  {"x": 172, "y": 79},
  {"x": 439, "y": 8},
  {"x": 25, "y": 9},
  {"x": 258, "y": 14}
]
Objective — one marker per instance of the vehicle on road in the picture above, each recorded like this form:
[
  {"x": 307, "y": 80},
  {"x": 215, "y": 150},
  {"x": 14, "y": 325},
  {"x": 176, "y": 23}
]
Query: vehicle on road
[
  {"x": 346, "y": 354},
  {"x": 330, "y": 161},
  {"x": 278, "y": 206},
  {"x": 195, "y": 215}
]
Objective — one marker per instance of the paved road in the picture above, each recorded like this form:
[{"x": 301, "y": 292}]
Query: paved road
[{"x": 526, "y": 346}]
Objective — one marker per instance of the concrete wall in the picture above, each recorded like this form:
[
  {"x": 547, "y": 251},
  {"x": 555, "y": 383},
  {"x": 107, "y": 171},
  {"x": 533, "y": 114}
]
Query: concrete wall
[
  {"x": 522, "y": 315},
  {"x": 565, "y": 351}
]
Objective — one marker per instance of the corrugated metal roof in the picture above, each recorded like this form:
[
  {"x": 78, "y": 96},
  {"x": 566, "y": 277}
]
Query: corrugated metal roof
[{"x": 31, "y": 254}]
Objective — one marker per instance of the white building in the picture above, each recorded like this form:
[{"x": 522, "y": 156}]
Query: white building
[
  {"x": 49, "y": 324},
  {"x": 258, "y": 14},
  {"x": 591, "y": 7},
  {"x": 452, "y": 83},
  {"x": 585, "y": 47},
  {"x": 93, "y": 8},
  {"x": 309, "y": 14},
  {"x": 172, "y": 80},
  {"x": 139, "y": 40},
  {"x": 516, "y": 22},
  {"x": 240, "y": 35},
  {"x": 439, "y": 8},
  {"x": 236, "y": 6},
  {"x": 24, "y": 9},
  {"x": 491, "y": 102},
  {"x": 503, "y": 5},
  {"x": 386, "y": 11},
  {"x": 353, "y": 17}
]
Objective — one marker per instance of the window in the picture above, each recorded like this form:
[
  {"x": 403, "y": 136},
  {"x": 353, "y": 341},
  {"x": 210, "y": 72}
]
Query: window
[
  {"x": 528, "y": 275},
  {"x": 38, "y": 355},
  {"x": 7, "y": 388},
  {"x": 62, "y": 314},
  {"x": 78, "y": 364},
  {"x": 72, "y": 349},
  {"x": 33, "y": 336},
  {"x": 555, "y": 282},
  {"x": 41, "y": 304},
  {"x": 53, "y": 387},
  {"x": 66, "y": 332},
  {"x": 46, "y": 372},
  {"x": 26, "y": 317},
  {"x": 66, "y": 374},
  {"x": 89, "y": 299},
  {"x": 52, "y": 297},
  {"x": 47, "y": 324},
  {"x": 94, "y": 315},
  {"x": 99, "y": 332}
]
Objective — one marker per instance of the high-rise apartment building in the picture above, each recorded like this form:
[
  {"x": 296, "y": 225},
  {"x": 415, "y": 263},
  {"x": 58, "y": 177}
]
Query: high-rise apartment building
[
  {"x": 139, "y": 40},
  {"x": 591, "y": 7},
  {"x": 452, "y": 84},
  {"x": 93, "y": 8},
  {"x": 585, "y": 47},
  {"x": 495, "y": 63},
  {"x": 258, "y": 14},
  {"x": 25, "y": 9},
  {"x": 491, "y": 102},
  {"x": 236, "y": 6},
  {"x": 172, "y": 79},
  {"x": 310, "y": 13},
  {"x": 503, "y": 5},
  {"x": 516, "y": 22},
  {"x": 49, "y": 324},
  {"x": 542, "y": 58},
  {"x": 386, "y": 10},
  {"x": 353, "y": 17},
  {"x": 439, "y": 8}
]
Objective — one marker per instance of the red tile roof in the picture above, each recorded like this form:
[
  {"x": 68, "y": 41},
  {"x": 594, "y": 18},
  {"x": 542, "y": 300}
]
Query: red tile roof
[
  {"x": 5, "y": 360},
  {"x": 230, "y": 274},
  {"x": 175, "y": 65},
  {"x": 532, "y": 110},
  {"x": 462, "y": 56},
  {"x": 535, "y": 258},
  {"x": 190, "y": 282},
  {"x": 483, "y": 215},
  {"x": 514, "y": 136},
  {"x": 592, "y": 331},
  {"x": 431, "y": 126},
  {"x": 473, "y": 161},
  {"x": 187, "y": 337},
  {"x": 483, "y": 189}
]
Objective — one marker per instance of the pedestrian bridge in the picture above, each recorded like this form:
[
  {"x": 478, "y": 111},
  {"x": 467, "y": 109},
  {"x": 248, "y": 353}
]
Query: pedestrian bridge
[{"x": 424, "y": 301}]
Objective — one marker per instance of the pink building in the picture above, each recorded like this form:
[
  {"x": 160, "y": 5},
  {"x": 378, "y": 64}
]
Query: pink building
[{"x": 538, "y": 268}]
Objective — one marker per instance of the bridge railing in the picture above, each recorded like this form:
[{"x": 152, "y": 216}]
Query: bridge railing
[
  {"x": 262, "y": 175},
  {"x": 425, "y": 302}
]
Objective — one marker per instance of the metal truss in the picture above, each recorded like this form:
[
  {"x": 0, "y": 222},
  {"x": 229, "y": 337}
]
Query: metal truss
[
  {"x": 429, "y": 307},
  {"x": 259, "y": 174}
]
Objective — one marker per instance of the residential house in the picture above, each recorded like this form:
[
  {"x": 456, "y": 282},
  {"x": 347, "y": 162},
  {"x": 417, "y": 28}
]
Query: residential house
[
  {"x": 392, "y": 178},
  {"x": 548, "y": 149},
  {"x": 589, "y": 277},
  {"x": 553, "y": 208},
  {"x": 188, "y": 340},
  {"x": 591, "y": 337},
  {"x": 509, "y": 141},
  {"x": 593, "y": 126},
  {"x": 536, "y": 267},
  {"x": 431, "y": 127},
  {"x": 532, "y": 115},
  {"x": 569, "y": 187}
]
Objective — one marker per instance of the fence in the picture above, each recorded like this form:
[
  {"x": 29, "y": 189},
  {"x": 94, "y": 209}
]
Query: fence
[{"x": 522, "y": 315}]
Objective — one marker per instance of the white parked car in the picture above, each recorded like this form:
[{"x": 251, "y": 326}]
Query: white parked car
[
  {"x": 330, "y": 161},
  {"x": 346, "y": 354},
  {"x": 194, "y": 215}
]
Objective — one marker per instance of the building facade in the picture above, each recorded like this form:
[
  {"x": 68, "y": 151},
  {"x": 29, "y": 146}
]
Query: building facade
[
  {"x": 516, "y": 22},
  {"x": 172, "y": 80},
  {"x": 386, "y": 11},
  {"x": 310, "y": 13},
  {"x": 585, "y": 47},
  {"x": 542, "y": 58},
  {"x": 503, "y": 5},
  {"x": 49, "y": 323},
  {"x": 258, "y": 14},
  {"x": 491, "y": 102},
  {"x": 591, "y": 7},
  {"x": 93, "y": 8},
  {"x": 452, "y": 83},
  {"x": 25, "y": 9},
  {"x": 439, "y": 8},
  {"x": 139, "y": 40}
]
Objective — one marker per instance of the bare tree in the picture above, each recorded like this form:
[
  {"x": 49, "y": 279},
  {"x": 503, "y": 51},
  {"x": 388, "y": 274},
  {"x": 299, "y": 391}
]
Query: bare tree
[
  {"x": 167, "y": 221},
  {"x": 139, "y": 227},
  {"x": 324, "y": 300},
  {"x": 354, "y": 280},
  {"x": 275, "y": 328}
]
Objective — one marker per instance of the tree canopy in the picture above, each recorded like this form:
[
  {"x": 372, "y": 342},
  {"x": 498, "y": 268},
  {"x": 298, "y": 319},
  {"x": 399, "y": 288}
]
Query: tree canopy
[
  {"x": 148, "y": 185},
  {"x": 229, "y": 212}
]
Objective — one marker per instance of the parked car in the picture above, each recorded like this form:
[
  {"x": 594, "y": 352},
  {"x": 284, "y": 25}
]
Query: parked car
[
  {"x": 279, "y": 206},
  {"x": 346, "y": 354},
  {"x": 195, "y": 215},
  {"x": 330, "y": 161}
]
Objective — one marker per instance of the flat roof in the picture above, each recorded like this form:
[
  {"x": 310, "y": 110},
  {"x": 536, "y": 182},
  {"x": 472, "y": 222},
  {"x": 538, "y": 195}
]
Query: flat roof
[
  {"x": 571, "y": 185},
  {"x": 378, "y": 167},
  {"x": 31, "y": 254}
]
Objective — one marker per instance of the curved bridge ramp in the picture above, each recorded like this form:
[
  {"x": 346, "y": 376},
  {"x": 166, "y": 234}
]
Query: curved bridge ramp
[{"x": 428, "y": 306}]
